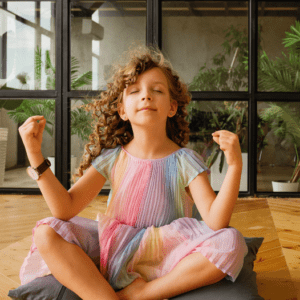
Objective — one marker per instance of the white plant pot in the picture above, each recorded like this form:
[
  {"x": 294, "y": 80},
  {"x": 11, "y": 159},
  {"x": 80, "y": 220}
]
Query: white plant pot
[
  {"x": 217, "y": 178},
  {"x": 73, "y": 164},
  {"x": 285, "y": 186},
  {"x": 3, "y": 147}
]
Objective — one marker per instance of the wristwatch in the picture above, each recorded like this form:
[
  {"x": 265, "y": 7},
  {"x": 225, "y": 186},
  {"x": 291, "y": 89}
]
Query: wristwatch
[{"x": 35, "y": 173}]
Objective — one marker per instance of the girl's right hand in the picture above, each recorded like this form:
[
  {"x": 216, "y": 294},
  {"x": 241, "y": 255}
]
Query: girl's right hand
[{"x": 32, "y": 133}]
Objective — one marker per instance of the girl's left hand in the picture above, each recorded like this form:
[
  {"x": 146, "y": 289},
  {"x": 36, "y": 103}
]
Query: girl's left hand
[{"x": 229, "y": 143}]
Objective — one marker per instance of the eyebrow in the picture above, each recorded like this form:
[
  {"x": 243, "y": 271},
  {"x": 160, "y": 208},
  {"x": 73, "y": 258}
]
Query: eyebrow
[
  {"x": 160, "y": 82},
  {"x": 154, "y": 82}
]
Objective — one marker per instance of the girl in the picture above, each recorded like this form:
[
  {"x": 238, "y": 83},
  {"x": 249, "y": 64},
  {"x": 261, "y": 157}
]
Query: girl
[{"x": 151, "y": 235}]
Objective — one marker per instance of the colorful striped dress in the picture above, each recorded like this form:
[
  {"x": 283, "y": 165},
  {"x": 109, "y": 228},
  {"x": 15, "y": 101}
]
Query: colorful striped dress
[{"x": 150, "y": 224}]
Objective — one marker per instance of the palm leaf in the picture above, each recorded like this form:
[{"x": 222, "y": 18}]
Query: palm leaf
[
  {"x": 213, "y": 157},
  {"x": 221, "y": 162},
  {"x": 74, "y": 68},
  {"x": 38, "y": 63},
  {"x": 48, "y": 65},
  {"x": 84, "y": 79},
  {"x": 292, "y": 40}
]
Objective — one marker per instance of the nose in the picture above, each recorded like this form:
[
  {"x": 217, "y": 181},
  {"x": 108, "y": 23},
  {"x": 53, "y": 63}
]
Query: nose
[{"x": 146, "y": 94}]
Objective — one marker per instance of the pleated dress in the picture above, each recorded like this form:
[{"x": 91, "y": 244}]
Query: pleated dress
[{"x": 150, "y": 224}]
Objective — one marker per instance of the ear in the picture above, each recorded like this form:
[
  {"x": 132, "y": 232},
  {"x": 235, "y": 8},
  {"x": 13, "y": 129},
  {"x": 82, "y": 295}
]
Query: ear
[
  {"x": 174, "y": 106},
  {"x": 121, "y": 111}
]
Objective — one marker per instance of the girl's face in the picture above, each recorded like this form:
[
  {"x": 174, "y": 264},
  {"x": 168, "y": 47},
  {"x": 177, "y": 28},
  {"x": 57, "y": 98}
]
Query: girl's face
[{"x": 150, "y": 90}]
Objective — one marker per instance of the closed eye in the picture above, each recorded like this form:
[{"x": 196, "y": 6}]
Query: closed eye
[
  {"x": 133, "y": 92},
  {"x": 158, "y": 91}
]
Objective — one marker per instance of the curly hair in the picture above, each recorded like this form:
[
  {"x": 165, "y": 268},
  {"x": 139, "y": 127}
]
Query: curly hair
[{"x": 110, "y": 129}]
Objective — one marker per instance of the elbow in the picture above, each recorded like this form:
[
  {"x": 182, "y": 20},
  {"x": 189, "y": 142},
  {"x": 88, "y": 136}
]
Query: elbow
[
  {"x": 63, "y": 217},
  {"x": 216, "y": 227}
]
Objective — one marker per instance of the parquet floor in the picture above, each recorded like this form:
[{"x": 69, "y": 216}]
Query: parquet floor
[{"x": 277, "y": 220}]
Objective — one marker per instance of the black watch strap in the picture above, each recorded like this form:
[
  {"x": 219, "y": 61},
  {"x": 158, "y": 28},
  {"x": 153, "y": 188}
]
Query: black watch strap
[{"x": 43, "y": 166}]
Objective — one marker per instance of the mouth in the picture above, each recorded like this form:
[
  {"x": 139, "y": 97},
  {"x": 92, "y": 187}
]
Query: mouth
[{"x": 147, "y": 109}]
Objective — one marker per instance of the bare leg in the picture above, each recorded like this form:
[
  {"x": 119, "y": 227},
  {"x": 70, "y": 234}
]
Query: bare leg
[
  {"x": 192, "y": 272},
  {"x": 71, "y": 266}
]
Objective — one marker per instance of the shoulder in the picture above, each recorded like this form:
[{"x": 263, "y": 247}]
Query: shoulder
[{"x": 107, "y": 153}]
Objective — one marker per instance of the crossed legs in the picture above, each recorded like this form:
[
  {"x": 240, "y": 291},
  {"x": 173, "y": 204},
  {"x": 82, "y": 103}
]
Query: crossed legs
[
  {"x": 73, "y": 268},
  {"x": 191, "y": 272}
]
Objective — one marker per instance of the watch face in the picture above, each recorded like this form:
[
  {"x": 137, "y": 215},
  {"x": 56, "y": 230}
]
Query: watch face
[{"x": 32, "y": 173}]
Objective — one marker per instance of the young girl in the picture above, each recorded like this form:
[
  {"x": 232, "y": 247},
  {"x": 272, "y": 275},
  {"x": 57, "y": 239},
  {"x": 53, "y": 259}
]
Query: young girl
[{"x": 152, "y": 242}]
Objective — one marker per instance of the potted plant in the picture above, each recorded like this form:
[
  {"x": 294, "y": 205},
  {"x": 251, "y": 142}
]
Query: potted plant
[
  {"x": 234, "y": 77},
  {"x": 233, "y": 117},
  {"x": 80, "y": 119},
  {"x": 286, "y": 125},
  {"x": 282, "y": 75}
]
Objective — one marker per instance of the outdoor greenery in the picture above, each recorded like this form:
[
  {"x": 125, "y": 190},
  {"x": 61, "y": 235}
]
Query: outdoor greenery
[
  {"x": 80, "y": 119},
  {"x": 281, "y": 74},
  {"x": 234, "y": 77},
  {"x": 286, "y": 125},
  {"x": 233, "y": 117}
]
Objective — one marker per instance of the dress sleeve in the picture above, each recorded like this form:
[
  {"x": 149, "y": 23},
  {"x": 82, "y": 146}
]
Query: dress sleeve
[
  {"x": 192, "y": 164},
  {"x": 104, "y": 162}
]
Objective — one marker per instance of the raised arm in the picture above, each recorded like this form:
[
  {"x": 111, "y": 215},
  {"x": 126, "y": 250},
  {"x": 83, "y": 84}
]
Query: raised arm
[
  {"x": 215, "y": 210},
  {"x": 63, "y": 204}
]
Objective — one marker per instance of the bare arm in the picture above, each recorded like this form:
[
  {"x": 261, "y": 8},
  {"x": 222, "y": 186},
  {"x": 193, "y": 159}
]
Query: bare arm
[
  {"x": 215, "y": 210},
  {"x": 57, "y": 197},
  {"x": 222, "y": 207},
  {"x": 63, "y": 204}
]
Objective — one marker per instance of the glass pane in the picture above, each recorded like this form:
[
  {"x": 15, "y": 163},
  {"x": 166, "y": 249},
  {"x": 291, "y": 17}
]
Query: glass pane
[
  {"x": 278, "y": 143},
  {"x": 278, "y": 57},
  {"x": 27, "y": 34},
  {"x": 205, "y": 117},
  {"x": 207, "y": 42},
  {"x": 100, "y": 32},
  {"x": 13, "y": 157},
  {"x": 81, "y": 128}
]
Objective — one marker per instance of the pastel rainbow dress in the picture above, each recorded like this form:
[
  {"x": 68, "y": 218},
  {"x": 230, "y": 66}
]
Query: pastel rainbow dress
[{"x": 151, "y": 221}]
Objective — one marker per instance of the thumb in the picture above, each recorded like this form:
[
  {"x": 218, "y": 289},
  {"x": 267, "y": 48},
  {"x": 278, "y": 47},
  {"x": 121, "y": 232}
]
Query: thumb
[
  {"x": 216, "y": 139},
  {"x": 42, "y": 125}
]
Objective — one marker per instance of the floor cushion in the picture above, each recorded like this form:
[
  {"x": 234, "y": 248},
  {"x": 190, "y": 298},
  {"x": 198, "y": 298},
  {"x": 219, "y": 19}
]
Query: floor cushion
[{"x": 244, "y": 288}]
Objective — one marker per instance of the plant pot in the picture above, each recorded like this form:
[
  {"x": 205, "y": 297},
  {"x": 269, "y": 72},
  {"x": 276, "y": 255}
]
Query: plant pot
[
  {"x": 73, "y": 163},
  {"x": 3, "y": 146},
  {"x": 285, "y": 186},
  {"x": 217, "y": 178}
]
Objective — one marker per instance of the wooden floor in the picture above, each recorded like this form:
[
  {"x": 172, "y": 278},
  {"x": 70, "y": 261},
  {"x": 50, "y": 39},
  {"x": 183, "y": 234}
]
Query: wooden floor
[{"x": 277, "y": 220}]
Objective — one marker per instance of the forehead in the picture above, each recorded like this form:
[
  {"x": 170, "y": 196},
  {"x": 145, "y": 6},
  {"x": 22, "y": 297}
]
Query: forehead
[{"x": 155, "y": 76}]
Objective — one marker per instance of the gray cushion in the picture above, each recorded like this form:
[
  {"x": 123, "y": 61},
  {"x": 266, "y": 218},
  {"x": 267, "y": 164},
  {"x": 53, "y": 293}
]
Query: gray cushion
[{"x": 244, "y": 288}]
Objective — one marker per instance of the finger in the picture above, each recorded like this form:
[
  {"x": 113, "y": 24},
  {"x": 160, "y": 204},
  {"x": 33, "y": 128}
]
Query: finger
[
  {"x": 216, "y": 139},
  {"x": 31, "y": 129},
  {"x": 42, "y": 125},
  {"x": 218, "y": 132},
  {"x": 33, "y": 119}
]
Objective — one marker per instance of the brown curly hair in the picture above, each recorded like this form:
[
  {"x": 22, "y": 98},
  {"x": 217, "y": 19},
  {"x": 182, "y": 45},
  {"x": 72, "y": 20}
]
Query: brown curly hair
[{"x": 110, "y": 129}]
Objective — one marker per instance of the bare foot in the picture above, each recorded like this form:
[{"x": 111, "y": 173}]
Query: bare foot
[{"x": 133, "y": 291}]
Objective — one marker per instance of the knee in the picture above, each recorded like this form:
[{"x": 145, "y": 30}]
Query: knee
[
  {"x": 44, "y": 237},
  {"x": 233, "y": 238}
]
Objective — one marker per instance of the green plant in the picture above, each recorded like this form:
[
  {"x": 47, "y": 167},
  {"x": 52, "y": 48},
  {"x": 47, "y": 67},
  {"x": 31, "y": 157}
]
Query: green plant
[
  {"x": 286, "y": 125},
  {"x": 233, "y": 117},
  {"x": 80, "y": 119},
  {"x": 221, "y": 78},
  {"x": 281, "y": 74},
  {"x": 261, "y": 134}
]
